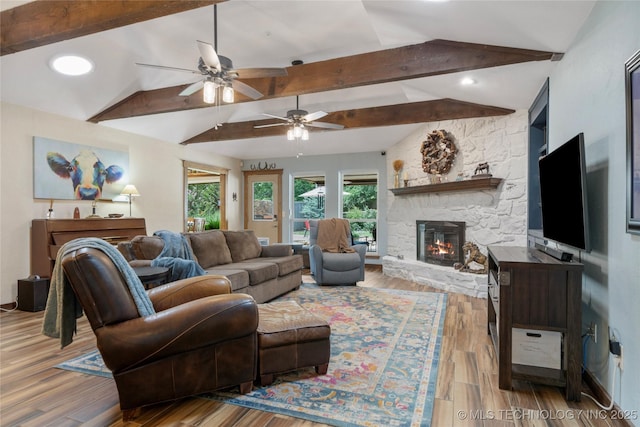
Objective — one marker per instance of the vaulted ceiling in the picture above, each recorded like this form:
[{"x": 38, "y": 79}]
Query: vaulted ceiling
[{"x": 378, "y": 67}]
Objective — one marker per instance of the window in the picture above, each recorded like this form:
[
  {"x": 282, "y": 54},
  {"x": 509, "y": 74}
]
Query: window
[
  {"x": 204, "y": 196},
  {"x": 203, "y": 200},
  {"x": 263, "y": 201},
  {"x": 308, "y": 203},
  {"x": 360, "y": 207}
]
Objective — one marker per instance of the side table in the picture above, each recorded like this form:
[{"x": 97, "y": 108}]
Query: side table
[
  {"x": 152, "y": 276},
  {"x": 300, "y": 249}
]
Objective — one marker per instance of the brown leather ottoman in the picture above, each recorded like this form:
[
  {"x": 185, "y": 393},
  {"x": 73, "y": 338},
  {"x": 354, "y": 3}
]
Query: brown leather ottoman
[{"x": 290, "y": 337}]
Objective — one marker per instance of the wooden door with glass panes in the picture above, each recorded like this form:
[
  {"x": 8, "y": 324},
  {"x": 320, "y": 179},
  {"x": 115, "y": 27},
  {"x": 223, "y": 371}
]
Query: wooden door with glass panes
[{"x": 263, "y": 210}]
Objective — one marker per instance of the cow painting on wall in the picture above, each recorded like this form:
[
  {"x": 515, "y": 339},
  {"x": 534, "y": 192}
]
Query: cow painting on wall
[{"x": 70, "y": 171}]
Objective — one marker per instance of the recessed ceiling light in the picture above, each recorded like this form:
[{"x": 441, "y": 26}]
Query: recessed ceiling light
[
  {"x": 467, "y": 81},
  {"x": 71, "y": 65}
]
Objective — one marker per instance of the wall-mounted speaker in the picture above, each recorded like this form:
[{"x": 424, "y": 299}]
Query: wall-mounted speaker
[{"x": 32, "y": 294}]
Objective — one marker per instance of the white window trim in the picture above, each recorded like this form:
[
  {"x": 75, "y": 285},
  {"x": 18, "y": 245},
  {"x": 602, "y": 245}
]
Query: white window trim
[{"x": 346, "y": 172}]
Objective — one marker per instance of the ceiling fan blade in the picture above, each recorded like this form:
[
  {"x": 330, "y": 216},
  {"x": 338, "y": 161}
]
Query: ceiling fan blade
[
  {"x": 255, "y": 73},
  {"x": 192, "y": 88},
  {"x": 209, "y": 55},
  {"x": 162, "y": 67},
  {"x": 245, "y": 89},
  {"x": 314, "y": 116},
  {"x": 325, "y": 125},
  {"x": 286, "y": 119},
  {"x": 270, "y": 125}
]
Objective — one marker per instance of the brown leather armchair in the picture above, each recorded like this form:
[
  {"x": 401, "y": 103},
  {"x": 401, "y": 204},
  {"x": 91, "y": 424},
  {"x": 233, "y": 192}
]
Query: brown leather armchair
[{"x": 200, "y": 339}]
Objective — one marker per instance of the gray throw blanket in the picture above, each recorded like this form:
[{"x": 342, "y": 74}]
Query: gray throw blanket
[
  {"x": 63, "y": 309},
  {"x": 177, "y": 255}
]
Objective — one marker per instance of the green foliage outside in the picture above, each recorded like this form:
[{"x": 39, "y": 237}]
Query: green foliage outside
[
  {"x": 361, "y": 197},
  {"x": 213, "y": 221},
  {"x": 203, "y": 201},
  {"x": 301, "y": 186},
  {"x": 311, "y": 208},
  {"x": 263, "y": 191},
  {"x": 361, "y": 203}
]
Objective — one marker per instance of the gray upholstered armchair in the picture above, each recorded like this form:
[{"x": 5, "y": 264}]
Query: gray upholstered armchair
[{"x": 336, "y": 268}]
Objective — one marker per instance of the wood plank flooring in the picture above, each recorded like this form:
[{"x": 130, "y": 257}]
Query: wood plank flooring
[{"x": 33, "y": 393}]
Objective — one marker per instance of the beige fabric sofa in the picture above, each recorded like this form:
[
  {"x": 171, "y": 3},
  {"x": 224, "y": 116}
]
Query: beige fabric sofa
[{"x": 264, "y": 272}]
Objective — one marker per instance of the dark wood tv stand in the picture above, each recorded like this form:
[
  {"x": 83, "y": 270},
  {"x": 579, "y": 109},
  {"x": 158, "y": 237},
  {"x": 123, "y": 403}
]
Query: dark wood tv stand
[{"x": 529, "y": 289}]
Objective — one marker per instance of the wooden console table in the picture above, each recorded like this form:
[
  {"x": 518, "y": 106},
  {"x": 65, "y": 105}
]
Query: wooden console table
[
  {"x": 48, "y": 235},
  {"x": 530, "y": 290}
]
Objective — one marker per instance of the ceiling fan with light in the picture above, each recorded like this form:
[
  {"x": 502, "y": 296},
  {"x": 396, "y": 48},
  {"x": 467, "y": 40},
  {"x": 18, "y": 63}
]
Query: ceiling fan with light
[
  {"x": 218, "y": 72},
  {"x": 297, "y": 120}
]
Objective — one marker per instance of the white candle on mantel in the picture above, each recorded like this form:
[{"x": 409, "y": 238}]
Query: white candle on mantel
[{"x": 405, "y": 176}]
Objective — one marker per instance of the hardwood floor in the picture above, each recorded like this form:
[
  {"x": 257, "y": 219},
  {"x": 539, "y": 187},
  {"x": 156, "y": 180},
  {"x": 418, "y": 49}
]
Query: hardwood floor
[{"x": 33, "y": 393}]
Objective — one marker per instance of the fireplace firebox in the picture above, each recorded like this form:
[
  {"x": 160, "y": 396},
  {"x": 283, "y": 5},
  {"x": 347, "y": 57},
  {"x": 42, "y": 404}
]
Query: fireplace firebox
[{"x": 440, "y": 242}]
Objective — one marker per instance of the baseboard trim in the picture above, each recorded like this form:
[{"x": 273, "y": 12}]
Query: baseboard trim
[{"x": 601, "y": 395}]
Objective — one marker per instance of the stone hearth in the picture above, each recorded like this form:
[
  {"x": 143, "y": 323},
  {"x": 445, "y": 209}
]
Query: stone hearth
[{"x": 446, "y": 278}]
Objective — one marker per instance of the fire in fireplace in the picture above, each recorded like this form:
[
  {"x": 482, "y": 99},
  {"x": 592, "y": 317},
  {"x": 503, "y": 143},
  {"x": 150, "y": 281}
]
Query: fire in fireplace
[{"x": 440, "y": 242}]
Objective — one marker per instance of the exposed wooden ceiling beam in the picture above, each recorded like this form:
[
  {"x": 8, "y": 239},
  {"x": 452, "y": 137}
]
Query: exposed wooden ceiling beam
[
  {"x": 409, "y": 62},
  {"x": 389, "y": 115},
  {"x": 43, "y": 22}
]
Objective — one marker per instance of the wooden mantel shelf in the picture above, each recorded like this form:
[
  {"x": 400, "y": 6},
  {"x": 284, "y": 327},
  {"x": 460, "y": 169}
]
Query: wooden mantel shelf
[{"x": 467, "y": 184}]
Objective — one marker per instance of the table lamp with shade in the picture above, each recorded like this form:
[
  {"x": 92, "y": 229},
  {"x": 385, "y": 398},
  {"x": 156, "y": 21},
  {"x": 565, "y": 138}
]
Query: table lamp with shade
[{"x": 130, "y": 191}]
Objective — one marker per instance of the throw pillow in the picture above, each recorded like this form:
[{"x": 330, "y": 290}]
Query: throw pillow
[
  {"x": 146, "y": 247},
  {"x": 210, "y": 248}
]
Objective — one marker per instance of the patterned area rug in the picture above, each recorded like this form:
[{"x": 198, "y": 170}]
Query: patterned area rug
[{"x": 385, "y": 347}]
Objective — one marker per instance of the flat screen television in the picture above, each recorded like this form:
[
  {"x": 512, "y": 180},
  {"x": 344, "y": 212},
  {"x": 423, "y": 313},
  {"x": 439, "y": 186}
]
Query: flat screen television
[{"x": 563, "y": 195}]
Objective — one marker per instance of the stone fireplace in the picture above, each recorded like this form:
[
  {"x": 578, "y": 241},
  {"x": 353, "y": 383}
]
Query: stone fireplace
[
  {"x": 491, "y": 216},
  {"x": 440, "y": 242}
]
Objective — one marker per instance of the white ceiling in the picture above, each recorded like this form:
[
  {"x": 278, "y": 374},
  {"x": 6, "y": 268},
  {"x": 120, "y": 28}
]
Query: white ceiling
[{"x": 272, "y": 34}]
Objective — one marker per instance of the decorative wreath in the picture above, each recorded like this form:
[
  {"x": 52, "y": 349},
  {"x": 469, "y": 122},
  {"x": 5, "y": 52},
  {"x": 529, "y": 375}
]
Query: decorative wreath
[{"x": 438, "y": 152}]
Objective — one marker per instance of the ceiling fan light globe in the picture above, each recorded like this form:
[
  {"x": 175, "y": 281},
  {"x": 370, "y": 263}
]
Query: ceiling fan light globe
[
  {"x": 209, "y": 92},
  {"x": 290, "y": 136},
  {"x": 228, "y": 94},
  {"x": 297, "y": 131},
  {"x": 305, "y": 135}
]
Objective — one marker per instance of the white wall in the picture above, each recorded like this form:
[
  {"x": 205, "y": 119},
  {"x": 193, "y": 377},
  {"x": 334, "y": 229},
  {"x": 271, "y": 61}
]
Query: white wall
[
  {"x": 587, "y": 95},
  {"x": 155, "y": 168}
]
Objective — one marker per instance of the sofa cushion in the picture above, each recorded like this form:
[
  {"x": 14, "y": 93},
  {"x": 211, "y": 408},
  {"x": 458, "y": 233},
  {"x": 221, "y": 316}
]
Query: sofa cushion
[
  {"x": 259, "y": 272},
  {"x": 210, "y": 248},
  {"x": 341, "y": 261},
  {"x": 277, "y": 249},
  {"x": 242, "y": 244},
  {"x": 146, "y": 247},
  {"x": 286, "y": 264},
  {"x": 239, "y": 278}
]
